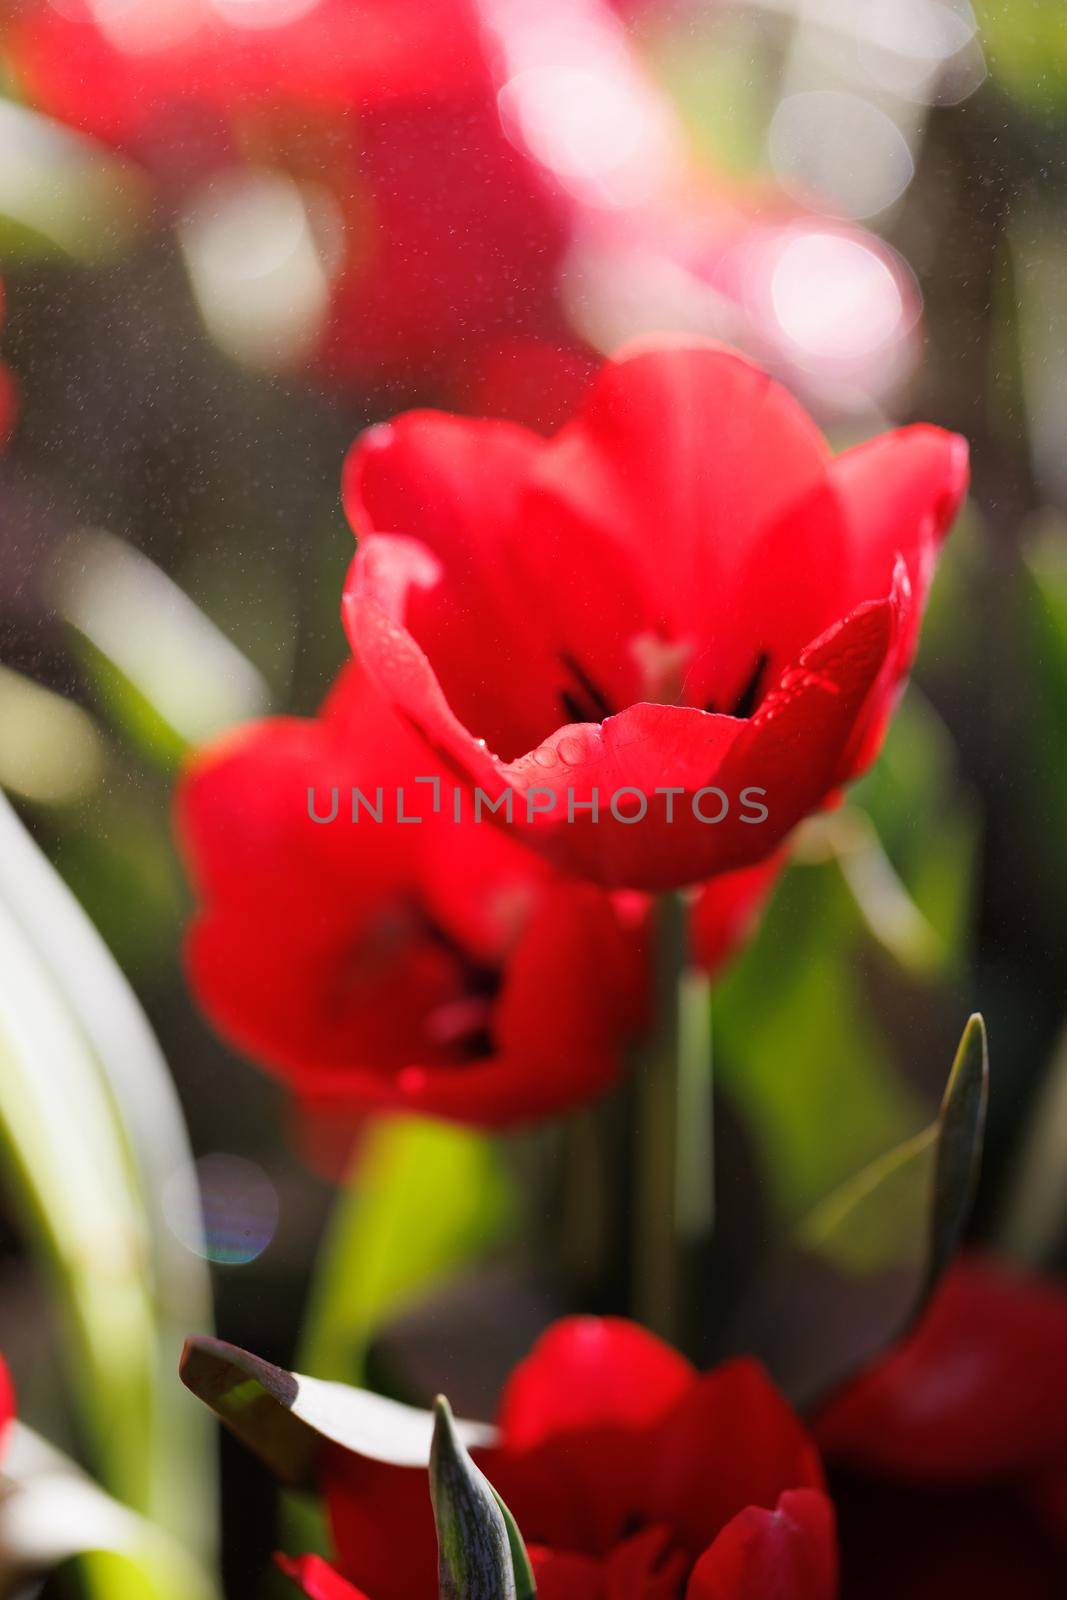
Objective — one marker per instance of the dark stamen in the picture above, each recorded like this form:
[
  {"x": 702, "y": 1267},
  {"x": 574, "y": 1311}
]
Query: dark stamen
[
  {"x": 749, "y": 698},
  {"x": 592, "y": 705}
]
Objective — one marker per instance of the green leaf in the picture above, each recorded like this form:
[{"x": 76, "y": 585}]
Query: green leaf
[
  {"x": 62, "y": 194},
  {"x": 1026, "y": 48},
  {"x": 166, "y": 674},
  {"x": 425, "y": 1198},
  {"x": 919, "y": 818},
  {"x": 286, "y": 1418},
  {"x": 865, "y": 1261},
  {"x": 1035, "y": 1208},
  {"x": 51, "y": 1514},
  {"x": 525, "y": 1583},
  {"x": 474, "y": 1560},
  {"x": 92, "y": 1133},
  {"x": 799, "y": 1051},
  {"x": 960, "y": 1132},
  {"x": 1043, "y": 614}
]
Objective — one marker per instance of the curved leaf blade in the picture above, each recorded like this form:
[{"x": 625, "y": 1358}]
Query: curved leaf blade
[{"x": 286, "y": 1418}]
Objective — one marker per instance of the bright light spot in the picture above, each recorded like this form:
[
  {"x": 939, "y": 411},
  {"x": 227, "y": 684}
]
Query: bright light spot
[
  {"x": 50, "y": 751},
  {"x": 164, "y": 645},
  {"x": 602, "y": 141},
  {"x": 225, "y": 1209},
  {"x": 262, "y": 13},
  {"x": 615, "y": 292},
  {"x": 141, "y": 27},
  {"x": 925, "y": 50},
  {"x": 256, "y": 267},
  {"x": 835, "y": 299},
  {"x": 833, "y": 148}
]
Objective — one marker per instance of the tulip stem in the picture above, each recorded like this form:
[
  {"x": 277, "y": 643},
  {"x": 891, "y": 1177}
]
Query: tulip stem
[{"x": 673, "y": 1180}]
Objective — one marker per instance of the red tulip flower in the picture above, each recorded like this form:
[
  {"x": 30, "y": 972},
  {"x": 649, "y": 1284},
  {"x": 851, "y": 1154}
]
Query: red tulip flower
[
  {"x": 949, "y": 1458},
  {"x": 429, "y": 966},
  {"x": 631, "y": 1477},
  {"x": 672, "y": 630},
  {"x": 443, "y": 269}
]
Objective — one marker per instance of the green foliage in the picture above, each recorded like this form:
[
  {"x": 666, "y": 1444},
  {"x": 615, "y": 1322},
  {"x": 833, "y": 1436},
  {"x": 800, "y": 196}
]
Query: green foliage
[
  {"x": 474, "y": 1545},
  {"x": 798, "y": 1052},
  {"x": 424, "y": 1198},
  {"x": 1026, "y": 47},
  {"x": 91, "y": 1131},
  {"x": 862, "y": 1264}
]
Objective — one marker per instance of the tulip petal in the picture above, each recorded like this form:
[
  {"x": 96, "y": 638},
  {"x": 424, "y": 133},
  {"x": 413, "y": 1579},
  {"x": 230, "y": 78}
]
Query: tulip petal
[
  {"x": 317, "y": 1579},
  {"x": 899, "y": 494},
  {"x": 788, "y": 1553},
  {"x": 733, "y": 1442},
  {"x": 450, "y": 487},
  {"x": 590, "y": 1372},
  {"x": 977, "y": 1393}
]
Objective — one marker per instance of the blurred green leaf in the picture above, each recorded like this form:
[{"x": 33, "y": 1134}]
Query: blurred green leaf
[
  {"x": 115, "y": 853},
  {"x": 713, "y": 66},
  {"x": 473, "y": 1543},
  {"x": 51, "y": 753},
  {"x": 1043, "y": 614},
  {"x": 167, "y": 675},
  {"x": 866, "y": 1259},
  {"x": 68, "y": 1171},
  {"x": 424, "y": 1198},
  {"x": 799, "y": 1052},
  {"x": 1034, "y": 1211},
  {"x": 94, "y": 1135},
  {"x": 921, "y": 1191},
  {"x": 286, "y": 1418},
  {"x": 926, "y": 823},
  {"x": 61, "y": 193},
  {"x": 51, "y": 1514},
  {"x": 875, "y": 913},
  {"x": 1026, "y": 47}
]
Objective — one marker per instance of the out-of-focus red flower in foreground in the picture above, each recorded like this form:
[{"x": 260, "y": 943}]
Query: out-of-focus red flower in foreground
[
  {"x": 949, "y": 1459},
  {"x": 681, "y": 591},
  {"x": 441, "y": 240},
  {"x": 7, "y": 1405},
  {"x": 432, "y": 966},
  {"x": 629, "y": 1475}
]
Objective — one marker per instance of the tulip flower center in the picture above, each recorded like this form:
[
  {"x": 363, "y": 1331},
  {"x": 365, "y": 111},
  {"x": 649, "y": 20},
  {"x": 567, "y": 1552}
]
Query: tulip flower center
[
  {"x": 460, "y": 1027},
  {"x": 662, "y": 677}
]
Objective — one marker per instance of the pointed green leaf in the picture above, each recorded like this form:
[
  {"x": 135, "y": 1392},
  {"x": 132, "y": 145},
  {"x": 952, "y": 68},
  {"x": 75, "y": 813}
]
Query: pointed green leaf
[
  {"x": 474, "y": 1559},
  {"x": 525, "y": 1583},
  {"x": 286, "y": 1418},
  {"x": 867, "y": 1258},
  {"x": 961, "y": 1127}
]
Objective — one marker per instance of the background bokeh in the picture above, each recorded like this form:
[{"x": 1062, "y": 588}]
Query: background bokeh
[{"x": 233, "y": 233}]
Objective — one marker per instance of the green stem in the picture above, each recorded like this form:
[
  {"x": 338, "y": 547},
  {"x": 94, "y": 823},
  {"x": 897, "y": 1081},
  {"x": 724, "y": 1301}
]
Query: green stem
[{"x": 674, "y": 1180}]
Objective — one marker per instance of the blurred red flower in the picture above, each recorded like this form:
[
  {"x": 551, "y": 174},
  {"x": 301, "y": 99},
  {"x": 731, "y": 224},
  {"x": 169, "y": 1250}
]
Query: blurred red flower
[
  {"x": 434, "y": 967},
  {"x": 949, "y": 1458},
  {"x": 628, "y": 1473},
  {"x": 441, "y": 239},
  {"x": 682, "y": 590},
  {"x": 7, "y": 1405}
]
